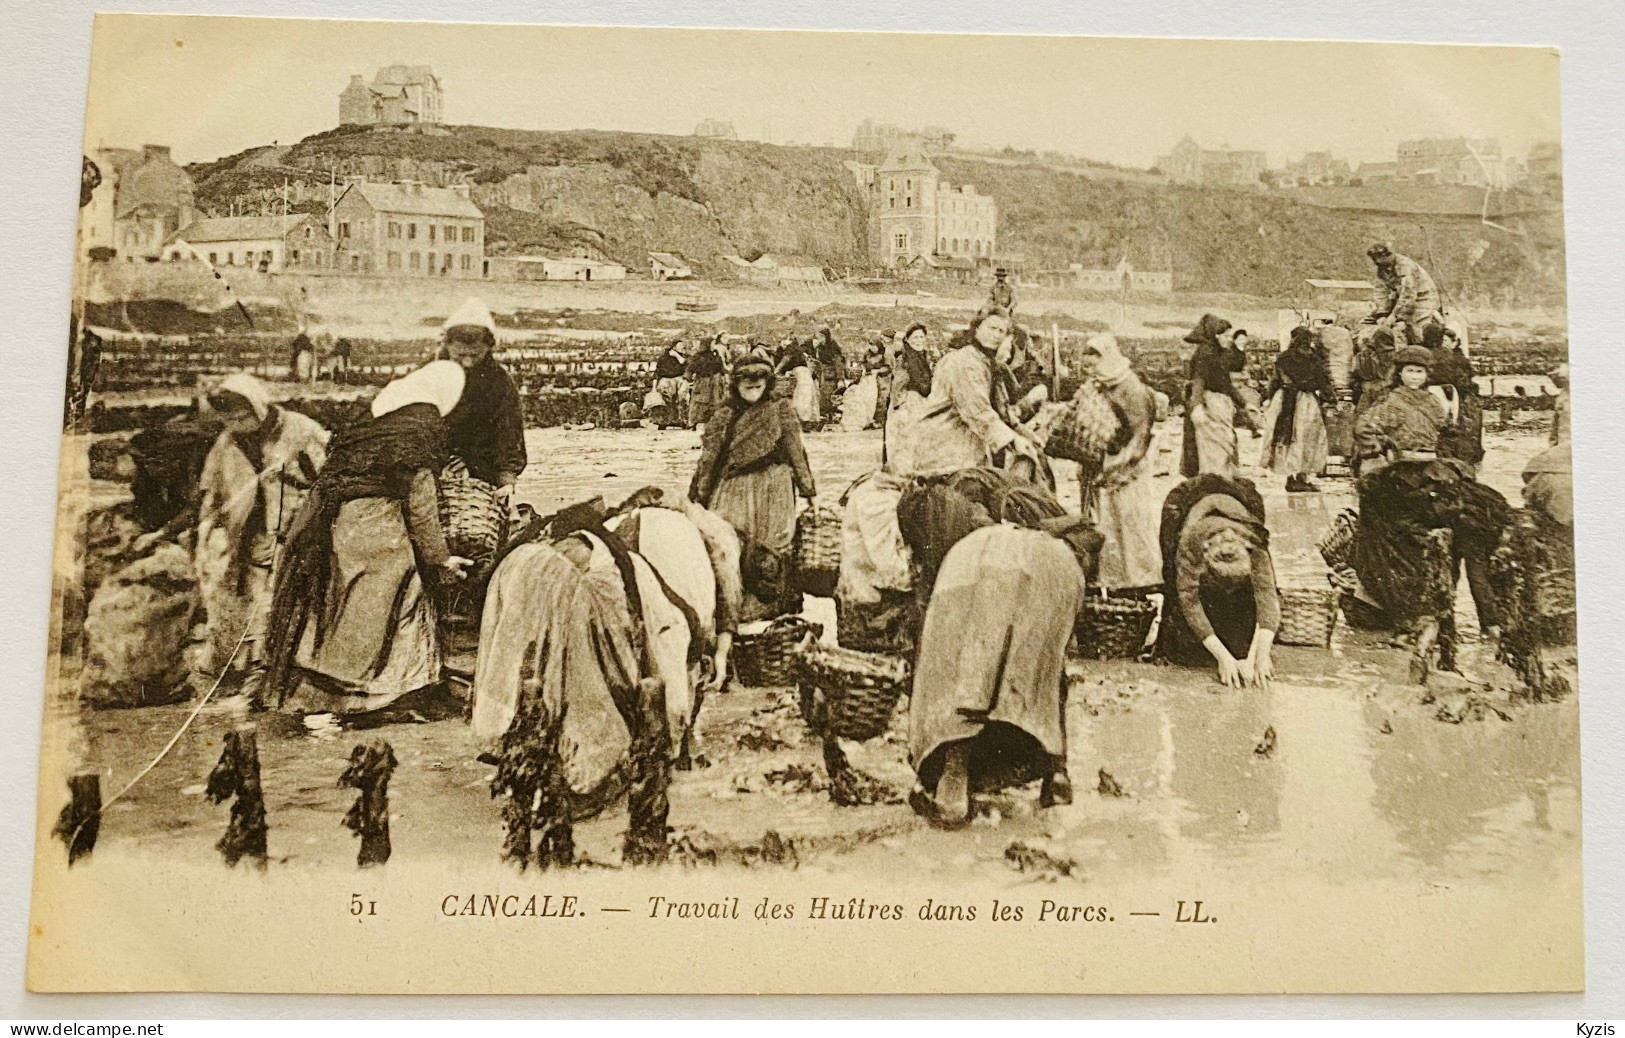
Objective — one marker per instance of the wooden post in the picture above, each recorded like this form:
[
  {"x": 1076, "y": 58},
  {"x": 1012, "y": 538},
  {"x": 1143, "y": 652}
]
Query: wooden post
[
  {"x": 1055, "y": 361},
  {"x": 81, "y": 817},
  {"x": 238, "y": 775},
  {"x": 369, "y": 771}
]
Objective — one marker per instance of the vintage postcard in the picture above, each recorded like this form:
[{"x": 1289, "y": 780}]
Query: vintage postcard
[{"x": 559, "y": 509}]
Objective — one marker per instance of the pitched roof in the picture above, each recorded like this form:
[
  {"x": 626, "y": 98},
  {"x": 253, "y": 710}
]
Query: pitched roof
[
  {"x": 668, "y": 259},
  {"x": 416, "y": 200},
  {"x": 240, "y": 228}
]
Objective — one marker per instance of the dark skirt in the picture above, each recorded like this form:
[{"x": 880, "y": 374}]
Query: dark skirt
[{"x": 1403, "y": 551}]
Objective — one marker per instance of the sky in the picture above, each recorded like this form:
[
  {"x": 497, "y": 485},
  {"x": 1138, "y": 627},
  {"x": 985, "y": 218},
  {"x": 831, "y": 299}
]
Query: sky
[{"x": 215, "y": 86}]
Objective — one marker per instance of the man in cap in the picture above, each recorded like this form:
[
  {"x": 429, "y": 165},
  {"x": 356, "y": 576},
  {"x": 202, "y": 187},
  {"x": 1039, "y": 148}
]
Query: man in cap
[
  {"x": 1408, "y": 300},
  {"x": 487, "y": 427}
]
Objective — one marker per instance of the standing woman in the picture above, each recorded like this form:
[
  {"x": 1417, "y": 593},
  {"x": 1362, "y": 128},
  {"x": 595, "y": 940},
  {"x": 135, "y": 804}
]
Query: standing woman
[
  {"x": 967, "y": 421},
  {"x": 1220, "y": 605},
  {"x": 253, "y": 483},
  {"x": 1450, "y": 379},
  {"x": 708, "y": 378},
  {"x": 1295, "y": 440},
  {"x": 910, "y": 388},
  {"x": 1125, "y": 509},
  {"x": 487, "y": 428},
  {"x": 752, "y": 465},
  {"x": 1212, "y": 402},
  {"x": 350, "y": 621}
]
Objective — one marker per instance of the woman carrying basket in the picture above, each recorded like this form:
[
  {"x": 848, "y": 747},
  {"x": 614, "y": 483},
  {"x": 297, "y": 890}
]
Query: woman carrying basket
[{"x": 1220, "y": 604}]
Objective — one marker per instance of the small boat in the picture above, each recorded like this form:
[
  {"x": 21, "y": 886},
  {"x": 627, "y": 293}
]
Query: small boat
[{"x": 696, "y": 306}]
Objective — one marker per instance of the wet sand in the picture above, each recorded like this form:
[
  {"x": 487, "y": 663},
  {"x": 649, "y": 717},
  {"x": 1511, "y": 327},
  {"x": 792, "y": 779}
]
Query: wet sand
[{"x": 1364, "y": 782}]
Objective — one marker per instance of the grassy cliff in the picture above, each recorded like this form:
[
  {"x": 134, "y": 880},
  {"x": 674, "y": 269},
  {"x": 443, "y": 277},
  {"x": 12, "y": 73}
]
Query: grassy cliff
[{"x": 621, "y": 195}]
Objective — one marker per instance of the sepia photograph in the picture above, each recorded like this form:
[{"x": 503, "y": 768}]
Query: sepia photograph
[{"x": 543, "y": 509}]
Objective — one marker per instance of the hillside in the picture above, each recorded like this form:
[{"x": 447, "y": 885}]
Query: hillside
[{"x": 620, "y": 195}]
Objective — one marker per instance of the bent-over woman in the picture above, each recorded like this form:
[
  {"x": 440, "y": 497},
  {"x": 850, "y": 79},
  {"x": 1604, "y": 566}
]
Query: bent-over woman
[
  {"x": 752, "y": 465},
  {"x": 352, "y": 628},
  {"x": 1220, "y": 605}
]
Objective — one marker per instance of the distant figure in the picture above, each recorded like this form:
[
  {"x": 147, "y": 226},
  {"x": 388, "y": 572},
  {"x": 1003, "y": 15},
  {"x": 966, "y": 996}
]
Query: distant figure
[
  {"x": 1003, "y": 295},
  {"x": 707, "y": 374},
  {"x": 1212, "y": 402},
  {"x": 832, "y": 376},
  {"x": 1560, "y": 406},
  {"x": 342, "y": 349},
  {"x": 301, "y": 359}
]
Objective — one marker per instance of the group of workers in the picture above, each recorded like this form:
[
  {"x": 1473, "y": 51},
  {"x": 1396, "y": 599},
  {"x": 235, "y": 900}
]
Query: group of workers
[{"x": 604, "y": 626}]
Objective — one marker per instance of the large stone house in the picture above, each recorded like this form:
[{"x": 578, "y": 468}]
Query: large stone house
[
  {"x": 918, "y": 215},
  {"x": 398, "y": 95},
  {"x": 408, "y": 230}
]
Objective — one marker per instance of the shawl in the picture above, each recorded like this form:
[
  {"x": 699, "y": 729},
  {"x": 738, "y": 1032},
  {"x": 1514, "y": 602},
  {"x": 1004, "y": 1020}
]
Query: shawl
[
  {"x": 376, "y": 458},
  {"x": 918, "y": 368},
  {"x": 1113, "y": 367},
  {"x": 744, "y": 438},
  {"x": 487, "y": 427}
]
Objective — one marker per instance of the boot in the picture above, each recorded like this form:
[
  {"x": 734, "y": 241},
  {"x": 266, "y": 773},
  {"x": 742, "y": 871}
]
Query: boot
[{"x": 952, "y": 800}]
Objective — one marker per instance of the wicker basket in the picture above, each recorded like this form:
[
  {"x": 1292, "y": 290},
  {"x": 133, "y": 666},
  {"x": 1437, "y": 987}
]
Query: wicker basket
[
  {"x": 1337, "y": 543},
  {"x": 1082, "y": 432},
  {"x": 847, "y": 693},
  {"x": 818, "y": 551},
  {"x": 1308, "y": 616},
  {"x": 1114, "y": 628},
  {"x": 765, "y": 659},
  {"x": 470, "y": 513}
]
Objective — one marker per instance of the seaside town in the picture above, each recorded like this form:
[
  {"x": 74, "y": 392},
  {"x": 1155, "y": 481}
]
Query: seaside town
[{"x": 599, "y": 497}]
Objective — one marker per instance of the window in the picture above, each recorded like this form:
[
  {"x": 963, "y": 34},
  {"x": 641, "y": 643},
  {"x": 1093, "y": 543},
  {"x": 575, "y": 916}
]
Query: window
[
  {"x": 307, "y": 230},
  {"x": 468, "y": 234},
  {"x": 417, "y": 261},
  {"x": 467, "y": 262},
  {"x": 451, "y": 232},
  {"x": 231, "y": 259},
  {"x": 908, "y": 201},
  {"x": 214, "y": 258},
  {"x": 446, "y": 267},
  {"x": 891, "y": 185},
  {"x": 901, "y": 240},
  {"x": 891, "y": 203},
  {"x": 394, "y": 261},
  {"x": 411, "y": 230},
  {"x": 394, "y": 229},
  {"x": 355, "y": 261},
  {"x": 431, "y": 232},
  {"x": 293, "y": 254},
  {"x": 344, "y": 228},
  {"x": 942, "y": 246}
]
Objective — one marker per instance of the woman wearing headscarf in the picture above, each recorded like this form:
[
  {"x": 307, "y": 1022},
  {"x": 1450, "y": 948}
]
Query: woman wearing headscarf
[
  {"x": 910, "y": 388},
  {"x": 1220, "y": 604},
  {"x": 253, "y": 484},
  {"x": 1560, "y": 405},
  {"x": 1373, "y": 371},
  {"x": 989, "y": 696},
  {"x": 1294, "y": 427},
  {"x": 831, "y": 369},
  {"x": 1212, "y": 403},
  {"x": 1123, "y": 501},
  {"x": 752, "y": 465},
  {"x": 967, "y": 421},
  {"x": 350, "y": 615},
  {"x": 487, "y": 428}
]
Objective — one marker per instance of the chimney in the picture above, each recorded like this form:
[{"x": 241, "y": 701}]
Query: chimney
[{"x": 355, "y": 81}]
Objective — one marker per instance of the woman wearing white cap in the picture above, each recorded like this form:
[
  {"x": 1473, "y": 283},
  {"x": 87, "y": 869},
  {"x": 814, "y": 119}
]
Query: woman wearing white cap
[
  {"x": 351, "y": 627},
  {"x": 252, "y": 486},
  {"x": 487, "y": 428}
]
